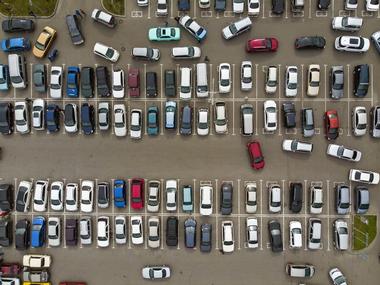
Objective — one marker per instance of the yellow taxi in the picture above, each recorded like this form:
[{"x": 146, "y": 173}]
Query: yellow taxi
[
  {"x": 44, "y": 41},
  {"x": 36, "y": 283}
]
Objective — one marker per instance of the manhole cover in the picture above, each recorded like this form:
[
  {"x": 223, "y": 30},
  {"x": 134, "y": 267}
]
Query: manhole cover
[
  {"x": 123, "y": 48},
  {"x": 121, "y": 21}
]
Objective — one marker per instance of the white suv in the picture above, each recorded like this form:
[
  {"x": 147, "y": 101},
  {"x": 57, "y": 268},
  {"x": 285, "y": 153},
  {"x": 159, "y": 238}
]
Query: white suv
[
  {"x": 106, "y": 52},
  {"x": 118, "y": 83}
]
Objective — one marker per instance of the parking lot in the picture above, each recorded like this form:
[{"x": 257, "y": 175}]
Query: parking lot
[{"x": 215, "y": 158}]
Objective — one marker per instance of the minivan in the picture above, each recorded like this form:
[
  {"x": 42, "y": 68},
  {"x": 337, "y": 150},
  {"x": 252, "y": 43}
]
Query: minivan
[
  {"x": 151, "y": 84},
  {"x": 17, "y": 70},
  {"x": 246, "y": 112},
  {"x": 361, "y": 80},
  {"x": 170, "y": 83},
  {"x": 185, "y": 89},
  {"x": 74, "y": 30},
  {"x": 362, "y": 199},
  {"x": 300, "y": 270},
  {"x": 202, "y": 84},
  {"x": 104, "y": 18},
  {"x": 307, "y": 122},
  {"x": 186, "y": 120}
]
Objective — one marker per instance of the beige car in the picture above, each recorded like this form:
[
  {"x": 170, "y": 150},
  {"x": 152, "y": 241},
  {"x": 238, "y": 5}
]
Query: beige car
[
  {"x": 44, "y": 42},
  {"x": 313, "y": 80}
]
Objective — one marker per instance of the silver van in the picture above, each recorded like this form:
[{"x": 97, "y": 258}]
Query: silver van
[
  {"x": 202, "y": 82},
  {"x": 300, "y": 270},
  {"x": 349, "y": 24},
  {"x": 185, "y": 88},
  {"x": 17, "y": 70},
  {"x": 246, "y": 112}
]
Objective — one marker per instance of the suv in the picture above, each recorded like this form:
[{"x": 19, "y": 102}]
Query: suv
[
  {"x": 87, "y": 82},
  {"x": 6, "y": 118},
  {"x": 172, "y": 231},
  {"x": 226, "y": 197},
  {"x": 295, "y": 197},
  {"x": 361, "y": 80},
  {"x": 87, "y": 118},
  {"x": 170, "y": 83},
  {"x": 375, "y": 122},
  {"x": 289, "y": 111},
  {"x": 71, "y": 232},
  {"x": 102, "y": 81}
]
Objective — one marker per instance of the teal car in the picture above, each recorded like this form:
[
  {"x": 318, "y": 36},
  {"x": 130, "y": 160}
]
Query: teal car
[{"x": 164, "y": 34}]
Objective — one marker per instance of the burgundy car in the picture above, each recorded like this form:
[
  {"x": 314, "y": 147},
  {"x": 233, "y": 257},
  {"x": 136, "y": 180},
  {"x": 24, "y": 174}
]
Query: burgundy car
[
  {"x": 137, "y": 193},
  {"x": 265, "y": 44},
  {"x": 134, "y": 82},
  {"x": 331, "y": 124},
  {"x": 71, "y": 231},
  {"x": 10, "y": 269},
  {"x": 255, "y": 155}
]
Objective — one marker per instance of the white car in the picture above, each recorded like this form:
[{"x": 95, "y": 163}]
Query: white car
[
  {"x": 238, "y": 6},
  {"x": 162, "y": 8},
  {"x": 315, "y": 234},
  {"x": 351, "y": 4},
  {"x": 40, "y": 196},
  {"x": 85, "y": 231},
  {"x": 203, "y": 122},
  {"x": 22, "y": 117},
  {"x": 252, "y": 233},
  {"x": 146, "y": 53},
  {"x": 156, "y": 272},
  {"x": 142, "y": 3},
  {"x": 87, "y": 196},
  {"x": 71, "y": 118},
  {"x": 316, "y": 199},
  {"x": 359, "y": 121},
  {"x": 136, "y": 124},
  {"x": 36, "y": 260},
  {"x": 297, "y": 146},
  {"x": 270, "y": 116},
  {"x": 364, "y": 176},
  {"x": 246, "y": 80},
  {"x": 335, "y": 274},
  {"x": 103, "y": 116},
  {"x": 120, "y": 230},
  {"x": 206, "y": 197},
  {"x": 171, "y": 195},
  {"x": 352, "y": 44},
  {"x": 271, "y": 80},
  {"x": 56, "y": 196},
  {"x": 350, "y": 24},
  {"x": 10, "y": 281},
  {"x": 228, "y": 240},
  {"x": 189, "y": 52},
  {"x": 220, "y": 118},
  {"x": 236, "y": 28},
  {"x": 56, "y": 81},
  {"x": 342, "y": 152},
  {"x": 253, "y": 7},
  {"x": 313, "y": 80},
  {"x": 372, "y": 5},
  {"x": 103, "y": 231},
  {"x": 204, "y": 4},
  {"x": 341, "y": 238},
  {"x": 54, "y": 231},
  {"x": 118, "y": 83},
  {"x": 274, "y": 198},
  {"x": 38, "y": 114},
  {"x": 153, "y": 203},
  {"x": 192, "y": 26},
  {"x": 295, "y": 234},
  {"x": 154, "y": 232},
  {"x": 137, "y": 230},
  {"x": 106, "y": 52},
  {"x": 251, "y": 197},
  {"x": 71, "y": 197},
  {"x": 120, "y": 122},
  {"x": 224, "y": 71},
  {"x": 291, "y": 81}
]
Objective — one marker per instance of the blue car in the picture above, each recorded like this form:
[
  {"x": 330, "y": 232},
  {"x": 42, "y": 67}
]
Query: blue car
[
  {"x": 15, "y": 44},
  {"x": 4, "y": 77},
  {"x": 87, "y": 118},
  {"x": 52, "y": 118},
  {"x": 72, "y": 83},
  {"x": 38, "y": 232},
  {"x": 152, "y": 122},
  {"x": 119, "y": 193}
]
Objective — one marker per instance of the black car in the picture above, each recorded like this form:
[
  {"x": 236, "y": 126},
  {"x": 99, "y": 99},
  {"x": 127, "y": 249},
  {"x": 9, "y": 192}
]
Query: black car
[
  {"x": 5, "y": 233},
  {"x": 151, "y": 84},
  {"x": 172, "y": 231},
  {"x": 184, "y": 5},
  {"x": 295, "y": 197},
  {"x": 70, "y": 117},
  {"x": 52, "y": 118},
  {"x": 190, "y": 233},
  {"x": 170, "y": 83},
  {"x": 17, "y": 25},
  {"x": 6, "y": 199},
  {"x": 74, "y": 29},
  {"x": 71, "y": 232},
  {"x": 39, "y": 77},
  {"x": 87, "y": 118},
  {"x": 6, "y": 118},
  {"x": 102, "y": 81},
  {"x": 220, "y": 5},
  {"x": 361, "y": 80},
  {"x": 275, "y": 236},
  {"x": 186, "y": 121},
  {"x": 310, "y": 42},
  {"x": 206, "y": 237},
  {"x": 22, "y": 234},
  {"x": 278, "y": 7},
  {"x": 226, "y": 191},
  {"x": 87, "y": 82},
  {"x": 103, "y": 194},
  {"x": 289, "y": 112},
  {"x": 323, "y": 4}
]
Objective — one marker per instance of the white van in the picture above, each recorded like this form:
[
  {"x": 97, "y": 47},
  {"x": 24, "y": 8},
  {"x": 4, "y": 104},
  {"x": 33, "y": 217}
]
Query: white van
[
  {"x": 17, "y": 70},
  {"x": 202, "y": 84},
  {"x": 185, "y": 89},
  {"x": 300, "y": 270},
  {"x": 246, "y": 112}
]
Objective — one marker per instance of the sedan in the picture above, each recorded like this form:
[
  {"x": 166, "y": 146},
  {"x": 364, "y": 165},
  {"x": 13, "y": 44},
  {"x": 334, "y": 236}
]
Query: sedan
[
  {"x": 313, "y": 80},
  {"x": 341, "y": 238},
  {"x": 196, "y": 30},
  {"x": 352, "y": 44},
  {"x": 71, "y": 197},
  {"x": 56, "y": 77},
  {"x": 206, "y": 238},
  {"x": 203, "y": 122},
  {"x": 87, "y": 119},
  {"x": 120, "y": 120},
  {"x": 342, "y": 152},
  {"x": 137, "y": 193},
  {"x": 146, "y": 53},
  {"x": 171, "y": 195},
  {"x": 270, "y": 116},
  {"x": 38, "y": 232},
  {"x": 44, "y": 42},
  {"x": 337, "y": 277},
  {"x": 246, "y": 75},
  {"x": 190, "y": 232},
  {"x": 54, "y": 231},
  {"x": 228, "y": 239},
  {"x": 295, "y": 232},
  {"x": 153, "y": 121},
  {"x": 154, "y": 232},
  {"x": 224, "y": 70},
  {"x": 297, "y": 146},
  {"x": 22, "y": 117},
  {"x": 136, "y": 124},
  {"x": 38, "y": 114},
  {"x": 331, "y": 124},
  {"x": 120, "y": 230},
  {"x": 275, "y": 236},
  {"x": 337, "y": 82},
  {"x": 310, "y": 42},
  {"x": 87, "y": 196},
  {"x": 376, "y": 40},
  {"x": 40, "y": 196},
  {"x": 252, "y": 233},
  {"x": 56, "y": 196},
  {"x": 156, "y": 272},
  {"x": 372, "y": 5},
  {"x": 71, "y": 118},
  {"x": 72, "y": 83},
  {"x": 137, "y": 230},
  {"x": 359, "y": 121},
  {"x": 364, "y": 176},
  {"x": 119, "y": 193},
  {"x": 256, "y": 155},
  {"x": 161, "y": 34},
  {"x": 170, "y": 115},
  {"x": 263, "y": 44},
  {"x": 251, "y": 197},
  {"x": 253, "y": 7},
  {"x": 291, "y": 81}
]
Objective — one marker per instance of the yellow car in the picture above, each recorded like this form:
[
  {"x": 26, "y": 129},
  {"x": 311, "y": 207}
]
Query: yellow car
[
  {"x": 44, "y": 41},
  {"x": 36, "y": 283}
]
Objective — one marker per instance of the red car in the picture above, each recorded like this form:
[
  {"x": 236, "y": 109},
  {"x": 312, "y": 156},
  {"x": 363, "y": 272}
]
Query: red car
[
  {"x": 137, "y": 193},
  {"x": 255, "y": 154},
  {"x": 11, "y": 269},
  {"x": 331, "y": 124},
  {"x": 266, "y": 44},
  {"x": 134, "y": 82}
]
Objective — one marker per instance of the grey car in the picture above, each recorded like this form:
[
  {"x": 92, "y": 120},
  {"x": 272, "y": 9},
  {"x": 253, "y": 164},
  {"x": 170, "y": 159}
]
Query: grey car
[
  {"x": 337, "y": 82},
  {"x": 39, "y": 77},
  {"x": 362, "y": 199},
  {"x": 375, "y": 122},
  {"x": 186, "y": 121},
  {"x": 376, "y": 40},
  {"x": 226, "y": 198},
  {"x": 190, "y": 233},
  {"x": 342, "y": 193},
  {"x": 29, "y": 275}
]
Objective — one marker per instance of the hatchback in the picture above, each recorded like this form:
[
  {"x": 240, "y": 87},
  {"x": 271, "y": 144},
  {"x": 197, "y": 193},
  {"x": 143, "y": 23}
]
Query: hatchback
[
  {"x": 120, "y": 230},
  {"x": 255, "y": 155},
  {"x": 331, "y": 124},
  {"x": 119, "y": 193},
  {"x": 264, "y": 44},
  {"x": 190, "y": 233},
  {"x": 136, "y": 124},
  {"x": 137, "y": 193},
  {"x": 196, "y": 30}
]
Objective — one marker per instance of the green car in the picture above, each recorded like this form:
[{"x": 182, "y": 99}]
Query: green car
[{"x": 164, "y": 34}]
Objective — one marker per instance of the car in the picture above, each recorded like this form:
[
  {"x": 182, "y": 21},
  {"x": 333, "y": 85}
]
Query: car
[
  {"x": 252, "y": 232},
  {"x": 87, "y": 196},
  {"x": 342, "y": 152},
  {"x": 72, "y": 197},
  {"x": 37, "y": 236},
  {"x": 190, "y": 226},
  {"x": 120, "y": 124},
  {"x": 172, "y": 231},
  {"x": 54, "y": 231},
  {"x": 106, "y": 52},
  {"x": 375, "y": 122},
  {"x": 136, "y": 124},
  {"x": 103, "y": 231},
  {"x": 203, "y": 122},
  {"x": 170, "y": 115},
  {"x": 15, "y": 24},
  {"x": 188, "y": 52},
  {"x": 6, "y": 199},
  {"x": 4, "y": 77},
  {"x": 15, "y": 45},
  {"x": 250, "y": 197},
  {"x": 24, "y": 193},
  {"x": 120, "y": 230},
  {"x": 289, "y": 112},
  {"x": 361, "y": 199},
  {"x": 346, "y": 23},
  {"x": 103, "y": 195},
  {"x": 36, "y": 260},
  {"x": 85, "y": 231},
  {"x": 171, "y": 195},
  {"x": 87, "y": 82},
  {"x": 246, "y": 117},
  {"x": 359, "y": 121},
  {"x": 364, "y": 176},
  {"x": 300, "y": 270},
  {"x": 102, "y": 81},
  {"x": 236, "y": 28},
  {"x": 71, "y": 118},
  {"x": 74, "y": 29},
  {"x": 206, "y": 199},
  {"x": 186, "y": 125},
  {"x": 162, "y": 8},
  {"x": 255, "y": 155},
  {"x": 274, "y": 198},
  {"x": 238, "y": 6},
  {"x": 295, "y": 234},
  {"x": 337, "y": 277},
  {"x": 154, "y": 232},
  {"x": 314, "y": 234},
  {"x": 38, "y": 114},
  {"x": 10, "y": 269},
  {"x": 142, "y": 3},
  {"x": 275, "y": 236},
  {"x": 220, "y": 5},
  {"x": 187, "y": 198},
  {"x": 331, "y": 124},
  {"x": 204, "y": 4},
  {"x": 39, "y": 275},
  {"x": 246, "y": 75},
  {"x": 170, "y": 83},
  {"x": 6, "y": 235},
  {"x": 153, "y": 203},
  {"x": 40, "y": 196},
  {"x": 6, "y": 118},
  {"x": 336, "y": 82},
  {"x": 278, "y": 7},
  {"x": 183, "y": 5},
  {"x": 153, "y": 121},
  {"x": 21, "y": 113},
  {"x": 297, "y": 146},
  {"x": 323, "y": 4},
  {"x": 270, "y": 116},
  {"x": 137, "y": 230},
  {"x": 105, "y": 18},
  {"x": 342, "y": 199},
  {"x": 161, "y": 34},
  {"x": 56, "y": 78},
  {"x": 295, "y": 197},
  {"x": 341, "y": 239},
  {"x": 375, "y": 37},
  {"x": 87, "y": 118},
  {"x": 103, "y": 116},
  {"x": 352, "y": 44},
  {"x": 310, "y": 42},
  {"x": 313, "y": 80},
  {"x": 157, "y": 271},
  {"x": 228, "y": 240},
  {"x": 146, "y": 53},
  {"x": 226, "y": 197},
  {"x": 262, "y": 44},
  {"x": 220, "y": 118},
  {"x": 271, "y": 81},
  {"x": 192, "y": 26},
  {"x": 291, "y": 81},
  {"x": 10, "y": 281},
  {"x": 137, "y": 193},
  {"x": 361, "y": 80},
  {"x": 372, "y": 5},
  {"x": 119, "y": 193},
  {"x": 351, "y": 5},
  {"x": 134, "y": 82},
  {"x": 307, "y": 119},
  {"x": 316, "y": 199},
  {"x": 22, "y": 234},
  {"x": 253, "y": 7},
  {"x": 39, "y": 77},
  {"x": 297, "y": 6},
  {"x": 118, "y": 83},
  {"x": 44, "y": 42}
]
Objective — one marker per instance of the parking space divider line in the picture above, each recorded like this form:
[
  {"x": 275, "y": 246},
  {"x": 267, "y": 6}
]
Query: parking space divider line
[
  {"x": 325, "y": 79},
  {"x": 233, "y": 99},
  {"x": 216, "y": 216},
  {"x": 239, "y": 221},
  {"x": 261, "y": 214},
  {"x": 194, "y": 196},
  {"x": 161, "y": 197},
  {"x": 328, "y": 214}
]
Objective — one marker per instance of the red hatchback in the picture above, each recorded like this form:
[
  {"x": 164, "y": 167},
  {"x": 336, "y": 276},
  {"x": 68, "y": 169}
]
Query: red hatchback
[
  {"x": 255, "y": 154},
  {"x": 10, "y": 269},
  {"x": 137, "y": 193},
  {"x": 134, "y": 82},
  {"x": 331, "y": 124},
  {"x": 266, "y": 44}
]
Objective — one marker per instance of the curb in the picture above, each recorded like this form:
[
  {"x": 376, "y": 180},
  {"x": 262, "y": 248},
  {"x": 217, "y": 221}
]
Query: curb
[
  {"x": 117, "y": 15},
  {"x": 37, "y": 17}
]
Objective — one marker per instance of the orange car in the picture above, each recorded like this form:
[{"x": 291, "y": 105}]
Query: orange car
[{"x": 44, "y": 41}]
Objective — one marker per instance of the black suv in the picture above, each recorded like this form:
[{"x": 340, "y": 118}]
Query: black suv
[
  {"x": 278, "y": 7},
  {"x": 102, "y": 81},
  {"x": 17, "y": 25},
  {"x": 226, "y": 198},
  {"x": 87, "y": 82},
  {"x": 5, "y": 233},
  {"x": 170, "y": 83},
  {"x": 6, "y": 118},
  {"x": 74, "y": 30},
  {"x": 151, "y": 84},
  {"x": 289, "y": 112},
  {"x": 295, "y": 197},
  {"x": 172, "y": 231},
  {"x": 361, "y": 80},
  {"x": 6, "y": 200}
]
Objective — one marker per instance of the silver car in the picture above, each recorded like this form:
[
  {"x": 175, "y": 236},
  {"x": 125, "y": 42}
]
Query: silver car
[
  {"x": 153, "y": 203},
  {"x": 103, "y": 116},
  {"x": 54, "y": 231},
  {"x": 120, "y": 230},
  {"x": 85, "y": 230},
  {"x": 38, "y": 114},
  {"x": 154, "y": 232}
]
